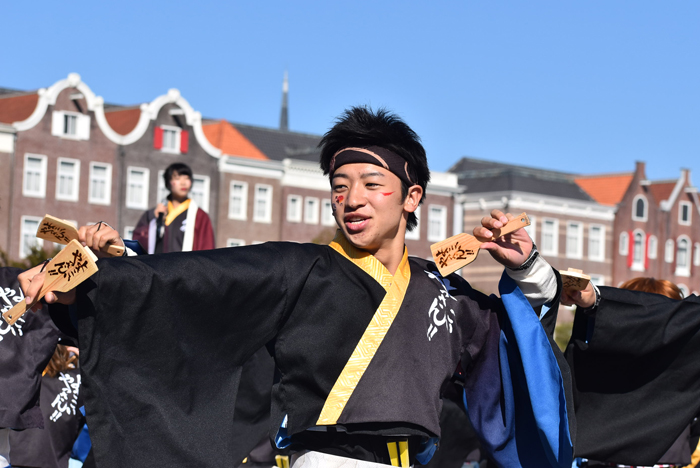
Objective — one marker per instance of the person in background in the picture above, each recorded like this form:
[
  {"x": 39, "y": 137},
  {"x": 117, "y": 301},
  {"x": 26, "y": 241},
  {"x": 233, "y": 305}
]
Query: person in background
[{"x": 177, "y": 224}]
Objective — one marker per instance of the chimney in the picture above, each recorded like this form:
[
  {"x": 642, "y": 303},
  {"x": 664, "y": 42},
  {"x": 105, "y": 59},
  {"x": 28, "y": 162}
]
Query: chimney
[{"x": 284, "y": 114}]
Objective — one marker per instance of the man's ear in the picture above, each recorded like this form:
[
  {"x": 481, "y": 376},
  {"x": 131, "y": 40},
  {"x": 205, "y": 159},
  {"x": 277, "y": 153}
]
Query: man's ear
[{"x": 415, "y": 193}]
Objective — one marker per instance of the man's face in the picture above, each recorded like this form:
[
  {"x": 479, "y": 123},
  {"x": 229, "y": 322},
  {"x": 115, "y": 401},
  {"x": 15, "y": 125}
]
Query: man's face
[
  {"x": 180, "y": 185},
  {"x": 368, "y": 206}
]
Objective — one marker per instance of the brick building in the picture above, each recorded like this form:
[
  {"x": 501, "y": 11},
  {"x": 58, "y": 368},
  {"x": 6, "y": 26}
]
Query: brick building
[{"x": 656, "y": 228}]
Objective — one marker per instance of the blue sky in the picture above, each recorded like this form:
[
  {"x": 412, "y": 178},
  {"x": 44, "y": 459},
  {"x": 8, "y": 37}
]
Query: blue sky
[{"x": 585, "y": 87}]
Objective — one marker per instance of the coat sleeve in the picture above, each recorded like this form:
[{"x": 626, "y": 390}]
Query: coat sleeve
[
  {"x": 162, "y": 341},
  {"x": 203, "y": 232},
  {"x": 141, "y": 230},
  {"x": 636, "y": 373}
]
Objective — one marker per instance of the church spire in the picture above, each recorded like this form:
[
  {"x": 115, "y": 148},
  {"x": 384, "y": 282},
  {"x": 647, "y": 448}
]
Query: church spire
[{"x": 284, "y": 114}]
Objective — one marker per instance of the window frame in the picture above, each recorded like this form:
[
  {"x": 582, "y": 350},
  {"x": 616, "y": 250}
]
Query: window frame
[
  {"x": 415, "y": 234},
  {"x": 204, "y": 205},
  {"x": 684, "y": 270},
  {"x": 143, "y": 203},
  {"x": 638, "y": 264},
  {"x": 645, "y": 217},
  {"x": 108, "y": 184},
  {"x": 311, "y": 210},
  {"x": 653, "y": 249},
  {"x": 31, "y": 234},
  {"x": 75, "y": 189},
  {"x": 231, "y": 242},
  {"x": 578, "y": 252},
  {"x": 623, "y": 244},
  {"x": 243, "y": 215},
  {"x": 177, "y": 140},
  {"x": 602, "y": 232},
  {"x": 669, "y": 251},
  {"x": 689, "y": 206},
  {"x": 295, "y": 217},
  {"x": 41, "y": 192},
  {"x": 442, "y": 220},
  {"x": 267, "y": 217},
  {"x": 554, "y": 251},
  {"x": 327, "y": 218}
]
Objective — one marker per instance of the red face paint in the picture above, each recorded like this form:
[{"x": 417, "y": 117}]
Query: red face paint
[
  {"x": 339, "y": 199},
  {"x": 386, "y": 194}
]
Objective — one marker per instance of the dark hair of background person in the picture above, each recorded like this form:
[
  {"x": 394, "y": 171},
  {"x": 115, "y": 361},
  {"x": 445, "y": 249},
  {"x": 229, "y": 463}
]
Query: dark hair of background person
[
  {"x": 61, "y": 361},
  {"x": 362, "y": 127},
  {"x": 652, "y": 285},
  {"x": 179, "y": 168}
]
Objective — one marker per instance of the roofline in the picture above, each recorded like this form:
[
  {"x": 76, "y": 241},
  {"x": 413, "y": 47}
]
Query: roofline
[{"x": 506, "y": 165}]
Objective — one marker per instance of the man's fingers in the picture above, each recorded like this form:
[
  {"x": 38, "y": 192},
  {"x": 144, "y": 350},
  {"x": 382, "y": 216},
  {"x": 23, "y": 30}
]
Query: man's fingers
[{"x": 499, "y": 215}]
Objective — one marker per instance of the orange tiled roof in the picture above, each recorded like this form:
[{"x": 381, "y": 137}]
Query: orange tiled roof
[
  {"x": 230, "y": 141},
  {"x": 662, "y": 190},
  {"x": 123, "y": 121},
  {"x": 606, "y": 189},
  {"x": 17, "y": 108}
]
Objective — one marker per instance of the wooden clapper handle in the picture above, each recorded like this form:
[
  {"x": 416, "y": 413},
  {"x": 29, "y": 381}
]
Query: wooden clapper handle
[
  {"x": 73, "y": 265},
  {"x": 459, "y": 251},
  {"x": 61, "y": 231}
]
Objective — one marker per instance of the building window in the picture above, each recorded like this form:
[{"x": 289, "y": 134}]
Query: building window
[
  {"x": 171, "y": 139},
  {"x": 550, "y": 236},
  {"x": 437, "y": 223},
  {"x": 415, "y": 233},
  {"x": 129, "y": 232},
  {"x": 137, "y": 187},
  {"x": 639, "y": 208},
  {"x": 100, "y": 189},
  {"x": 200, "y": 191},
  {"x": 327, "y": 218},
  {"x": 684, "y": 289},
  {"x": 684, "y": 213},
  {"x": 624, "y": 246},
  {"x": 311, "y": 210},
  {"x": 696, "y": 254},
  {"x": 596, "y": 242},
  {"x": 598, "y": 280},
  {"x": 262, "y": 211},
  {"x": 653, "y": 247},
  {"x": 67, "y": 179},
  {"x": 683, "y": 257},
  {"x": 234, "y": 242},
  {"x": 638, "y": 251},
  {"x": 294, "y": 208},
  {"x": 28, "y": 237},
  {"x": 574, "y": 240},
  {"x": 70, "y": 125},
  {"x": 668, "y": 251},
  {"x": 532, "y": 228},
  {"x": 238, "y": 200},
  {"x": 34, "y": 184}
]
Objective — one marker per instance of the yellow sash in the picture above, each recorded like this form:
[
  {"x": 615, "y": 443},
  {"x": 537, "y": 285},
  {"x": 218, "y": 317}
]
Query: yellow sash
[
  {"x": 175, "y": 212},
  {"x": 356, "y": 366}
]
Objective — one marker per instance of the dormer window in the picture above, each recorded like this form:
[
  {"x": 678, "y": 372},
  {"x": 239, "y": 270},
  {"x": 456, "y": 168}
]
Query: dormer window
[
  {"x": 73, "y": 125},
  {"x": 170, "y": 139},
  {"x": 639, "y": 208},
  {"x": 684, "y": 213}
]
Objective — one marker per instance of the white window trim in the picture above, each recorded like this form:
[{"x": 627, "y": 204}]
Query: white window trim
[
  {"x": 143, "y": 204},
  {"x": 696, "y": 254},
  {"x": 624, "y": 244},
  {"x": 267, "y": 217},
  {"x": 669, "y": 251},
  {"x": 243, "y": 215},
  {"x": 311, "y": 210},
  {"x": 129, "y": 232},
  {"x": 684, "y": 270},
  {"x": 22, "y": 233},
  {"x": 230, "y": 242},
  {"x": 108, "y": 185},
  {"x": 442, "y": 235},
  {"x": 82, "y": 125},
  {"x": 601, "y": 256},
  {"x": 415, "y": 234},
  {"x": 598, "y": 280},
  {"x": 207, "y": 188},
  {"x": 75, "y": 192},
  {"x": 555, "y": 238},
  {"x": 532, "y": 228},
  {"x": 634, "y": 208},
  {"x": 638, "y": 265},
  {"x": 579, "y": 243},
  {"x": 295, "y": 217},
  {"x": 41, "y": 193},
  {"x": 684, "y": 289},
  {"x": 178, "y": 141},
  {"x": 680, "y": 213},
  {"x": 327, "y": 208},
  {"x": 653, "y": 251}
]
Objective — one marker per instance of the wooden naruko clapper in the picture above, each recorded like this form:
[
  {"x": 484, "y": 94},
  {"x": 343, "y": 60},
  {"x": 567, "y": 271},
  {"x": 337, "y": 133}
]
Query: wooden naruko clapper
[
  {"x": 574, "y": 280},
  {"x": 60, "y": 231},
  {"x": 459, "y": 251},
  {"x": 73, "y": 265}
]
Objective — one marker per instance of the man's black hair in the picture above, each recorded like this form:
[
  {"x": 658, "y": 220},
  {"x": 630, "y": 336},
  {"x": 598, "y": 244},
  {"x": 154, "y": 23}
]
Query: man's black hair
[
  {"x": 180, "y": 169},
  {"x": 362, "y": 127}
]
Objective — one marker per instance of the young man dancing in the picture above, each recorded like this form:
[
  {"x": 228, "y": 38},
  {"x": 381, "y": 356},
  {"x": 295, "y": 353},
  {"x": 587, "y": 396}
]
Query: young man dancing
[{"x": 363, "y": 336}]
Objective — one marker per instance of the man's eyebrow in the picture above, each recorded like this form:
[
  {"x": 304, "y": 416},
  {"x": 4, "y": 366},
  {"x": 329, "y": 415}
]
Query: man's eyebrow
[{"x": 371, "y": 174}]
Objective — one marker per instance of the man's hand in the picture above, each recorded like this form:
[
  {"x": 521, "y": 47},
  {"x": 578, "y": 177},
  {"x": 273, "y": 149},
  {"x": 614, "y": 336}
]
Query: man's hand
[
  {"x": 510, "y": 250},
  {"x": 98, "y": 237},
  {"x": 31, "y": 282},
  {"x": 584, "y": 299}
]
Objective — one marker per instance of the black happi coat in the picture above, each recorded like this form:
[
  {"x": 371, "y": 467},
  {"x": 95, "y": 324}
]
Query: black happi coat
[
  {"x": 163, "y": 337},
  {"x": 636, "y": 374},
  {"x": 25, "y": 349}
]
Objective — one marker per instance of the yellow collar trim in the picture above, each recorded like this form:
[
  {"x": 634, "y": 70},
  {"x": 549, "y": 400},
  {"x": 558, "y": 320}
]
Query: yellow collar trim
[
  {"x": 377, "y": 329},
  {"x": 175, "y": 212}
]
